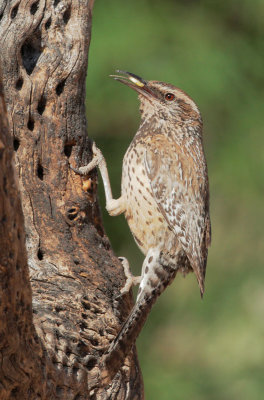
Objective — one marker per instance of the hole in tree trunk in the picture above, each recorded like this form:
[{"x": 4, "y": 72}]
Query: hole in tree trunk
[
  {"x": 67, "y": 15},
  {"x": 68, "y": 149},
  {"x": 60, "y": 87},
  {"x": 83, "y": 325},
  {"x": 16, "y": 144},
  {"x": 40, "y": 172},
  {"x": 91, "y": 364},
  {"x": 42, "y": 105},
  {"x": 40, "y": 254},
  {"x": 72, "y": 213},
  {"x": 48, "y": 23},
  {"x": 30, "y": 52},
  {"x": 19, "y": 83},
  {"x": 14, "y": 12},
  {"x": 34, "y": 8},
  {"x": 56, "y": 2},
  {"x": 31, "y": 124}
]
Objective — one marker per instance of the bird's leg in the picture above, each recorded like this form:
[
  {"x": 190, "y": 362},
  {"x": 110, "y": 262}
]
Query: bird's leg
[
  {"x": 113, "y": 206},
  {"x": 131, "y": 279}
]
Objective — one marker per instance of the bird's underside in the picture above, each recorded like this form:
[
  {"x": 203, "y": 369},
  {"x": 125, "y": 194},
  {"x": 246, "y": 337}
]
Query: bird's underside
[
  {"x": 165, "y": 199},
  {"x": 148, "y": 224}
]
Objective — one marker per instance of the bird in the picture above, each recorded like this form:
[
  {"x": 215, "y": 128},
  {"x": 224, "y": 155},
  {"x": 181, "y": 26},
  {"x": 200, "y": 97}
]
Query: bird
[{"x": 164, "y": 194}]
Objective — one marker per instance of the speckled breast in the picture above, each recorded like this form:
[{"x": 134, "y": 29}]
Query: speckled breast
[{"x": 146, "y": 222}]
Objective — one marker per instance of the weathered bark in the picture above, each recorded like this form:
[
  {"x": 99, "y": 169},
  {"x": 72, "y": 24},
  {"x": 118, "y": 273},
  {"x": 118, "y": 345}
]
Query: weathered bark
[
  {"x": 17, "y": 335},
  {"x": 74, "y": 274}
]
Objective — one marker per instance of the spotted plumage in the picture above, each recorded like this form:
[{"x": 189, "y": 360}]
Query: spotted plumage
[
  {"x": 164, "y": 180},
  {"x": 164, "y": 196}
]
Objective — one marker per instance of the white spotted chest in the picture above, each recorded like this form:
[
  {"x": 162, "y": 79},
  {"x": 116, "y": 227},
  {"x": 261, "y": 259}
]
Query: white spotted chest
[{"x": 144, "y": 218}]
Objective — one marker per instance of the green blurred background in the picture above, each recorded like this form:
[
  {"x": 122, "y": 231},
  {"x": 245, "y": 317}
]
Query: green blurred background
[{"x": 214, "y": 50}]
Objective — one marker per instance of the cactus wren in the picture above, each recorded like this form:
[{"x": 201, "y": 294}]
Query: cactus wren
[{"x": 165, "y": 192}]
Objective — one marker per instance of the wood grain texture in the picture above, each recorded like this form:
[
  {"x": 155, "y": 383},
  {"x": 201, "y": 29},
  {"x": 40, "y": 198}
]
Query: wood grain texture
[
  {"x": 17, "y": 335},
  {"x": 74, "y": 274}
]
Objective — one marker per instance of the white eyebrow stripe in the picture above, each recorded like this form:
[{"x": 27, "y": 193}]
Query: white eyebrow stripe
[
  {"x": 178, "y": 92},
  {"x": 183, "y": 96}
]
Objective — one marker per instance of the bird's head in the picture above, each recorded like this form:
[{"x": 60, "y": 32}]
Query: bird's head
[{"x": 164, "y": 100}]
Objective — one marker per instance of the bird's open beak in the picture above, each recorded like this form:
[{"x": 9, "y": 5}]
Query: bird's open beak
[{"x": 134, "y": 82}]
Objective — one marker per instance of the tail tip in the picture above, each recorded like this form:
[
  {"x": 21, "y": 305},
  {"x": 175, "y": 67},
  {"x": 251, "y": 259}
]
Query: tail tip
[{"x": 201, "y": 286}]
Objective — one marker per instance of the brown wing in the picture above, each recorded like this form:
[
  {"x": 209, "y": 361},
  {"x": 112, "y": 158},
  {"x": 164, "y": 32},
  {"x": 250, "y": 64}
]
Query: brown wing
[{"x": 178, "y": 178}]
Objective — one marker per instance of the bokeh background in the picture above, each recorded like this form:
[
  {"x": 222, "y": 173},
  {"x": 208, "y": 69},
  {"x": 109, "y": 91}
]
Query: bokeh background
[{"x": 214, "y": 50}]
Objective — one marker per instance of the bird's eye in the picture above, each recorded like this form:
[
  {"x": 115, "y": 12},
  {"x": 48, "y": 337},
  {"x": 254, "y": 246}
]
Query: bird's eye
[{"x": 169, "y": 96}]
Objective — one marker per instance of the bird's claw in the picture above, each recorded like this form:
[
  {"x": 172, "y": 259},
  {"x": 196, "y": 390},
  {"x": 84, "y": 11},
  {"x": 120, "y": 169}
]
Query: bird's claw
[
  {"x": 131, "y": 279},
  {"x": 76, "y": 170},
  {"x": 97, "y": 159}
]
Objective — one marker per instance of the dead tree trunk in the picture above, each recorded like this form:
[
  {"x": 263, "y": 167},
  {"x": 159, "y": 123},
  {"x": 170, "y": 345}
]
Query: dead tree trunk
[{"x": 54, "y": 352}]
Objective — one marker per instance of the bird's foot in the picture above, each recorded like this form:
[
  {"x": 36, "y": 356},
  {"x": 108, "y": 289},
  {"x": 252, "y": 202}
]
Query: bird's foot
[
  {"x": 131, "y": 279},
  {"x": 97, "y": 159},
  {"x": 115, "y": 207}
]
